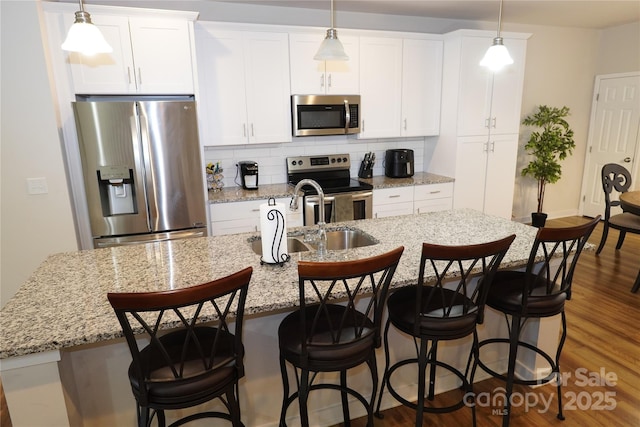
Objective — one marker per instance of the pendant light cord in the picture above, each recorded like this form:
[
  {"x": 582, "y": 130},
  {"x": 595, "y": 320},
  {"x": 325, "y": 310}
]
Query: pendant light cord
[
  {"x": 499, "y": 17},
  {"x": 332, "y": 14}
]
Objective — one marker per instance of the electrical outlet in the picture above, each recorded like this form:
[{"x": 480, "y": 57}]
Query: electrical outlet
[{"x": 37, "y": 185}]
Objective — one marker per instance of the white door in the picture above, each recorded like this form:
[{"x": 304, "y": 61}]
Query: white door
[
  {"x": 266, "y": 61},
  {"x": 380, "y": 87},
  {"x": 421, "y": 86},
  {"x": 162, "y": 55},
  {"x": 613, "y": 134}
]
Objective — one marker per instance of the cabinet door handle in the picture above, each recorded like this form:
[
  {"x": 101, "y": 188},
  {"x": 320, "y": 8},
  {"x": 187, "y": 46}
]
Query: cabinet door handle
[
  {"x": 329, "y": 80},
  {"x": 394, "y": 196},
  {"x": 493, "y": 122},
  {"x": 493, "y": 146},
  {"x": 139, "y": 76},
  {"x": 129, "y": 74},
  {"x": 434, "y": 192},
  {"x": 405, "y": 124},
  {"x": 486, "y": 122},
  {"x": 362, "y": 125},
  {"x": 244, "y": 130},
  {"x": 322, "y": 80},
  {"x": 485, "y": 147},
  {"x": 252, "y": 134},
  {"x": 255, "y": 210}
]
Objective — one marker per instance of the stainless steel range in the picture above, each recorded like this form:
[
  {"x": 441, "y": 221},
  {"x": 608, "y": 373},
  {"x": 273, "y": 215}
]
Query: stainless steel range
[{"x": 345, "y": 198}]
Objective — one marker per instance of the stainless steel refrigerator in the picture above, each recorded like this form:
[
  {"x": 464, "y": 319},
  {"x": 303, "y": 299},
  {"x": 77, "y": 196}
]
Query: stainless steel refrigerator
[{"x": 143, "y": 175}]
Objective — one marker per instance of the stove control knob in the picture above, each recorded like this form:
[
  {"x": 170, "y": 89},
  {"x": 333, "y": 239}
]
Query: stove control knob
[
  {"x": 300, "y": 162},
  {"x": 294, "y": 163},
  {"x": 333, "y": 160},
  {"x": 344, "y": 159},
  {"x": 339, "y": 160}
]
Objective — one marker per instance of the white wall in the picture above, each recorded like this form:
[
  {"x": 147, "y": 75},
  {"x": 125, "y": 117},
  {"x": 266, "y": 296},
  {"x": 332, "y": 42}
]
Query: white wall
[
  {"x": 32, "y": 226},
  {"x": 561, "y": 66},
  {"x": 561, "y": 69}
]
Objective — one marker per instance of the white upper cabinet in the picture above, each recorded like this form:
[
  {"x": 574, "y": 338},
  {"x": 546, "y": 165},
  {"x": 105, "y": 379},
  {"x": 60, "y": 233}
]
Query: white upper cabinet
[
  {"x": 244, "y": 86},
  {"x": 380, "y": 87},
  {"x": 489, "y": 102},
  {"x": 400, "y": 84},
  {"x": 481, "y": 121},
  {"x": 311, "y": 77},
  {"x": 150, "y": 56},
  {"x": 421, "y": 87}
]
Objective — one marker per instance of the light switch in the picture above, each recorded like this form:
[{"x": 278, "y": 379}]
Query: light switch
[{"x": 37, "y": 185}]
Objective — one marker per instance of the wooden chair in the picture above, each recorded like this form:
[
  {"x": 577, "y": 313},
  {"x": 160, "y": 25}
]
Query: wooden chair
[
  {"x": 326, "y": 336},
  {"x": 538, "y": 292},
  {"x": 446, "y": 304},
  {"x": 616, "y": 177},
  {"x": 194, "y": 362}
]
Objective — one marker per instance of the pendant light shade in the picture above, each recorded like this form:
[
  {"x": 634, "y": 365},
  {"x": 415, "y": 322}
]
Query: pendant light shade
[
  {"x": 84, "y": 37},
  {"x": 331, "y": 48},
  {"x": 497, "y": 55}
]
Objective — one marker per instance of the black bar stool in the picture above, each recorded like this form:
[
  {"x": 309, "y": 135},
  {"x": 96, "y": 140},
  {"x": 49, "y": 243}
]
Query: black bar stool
[
  {"x": 445, "y": 305},
  {"x": 326, "y": 336},
  {"x": 193, "y": 364},
  {"x": 539, "y": 291}
]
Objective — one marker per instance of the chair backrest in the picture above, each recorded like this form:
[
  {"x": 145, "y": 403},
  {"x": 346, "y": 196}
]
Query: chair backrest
[
  {"x": 553, "y": 259},
  {"x": 454, "y": 280},
  {"x": 193, "y": 346},
  {"x": 614, "y": 177},
  {"x": 322, "y": 283}
]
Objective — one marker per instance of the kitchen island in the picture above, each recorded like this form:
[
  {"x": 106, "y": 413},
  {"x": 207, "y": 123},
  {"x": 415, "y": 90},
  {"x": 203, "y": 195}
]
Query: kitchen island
[{"x": 64, "y": 361}]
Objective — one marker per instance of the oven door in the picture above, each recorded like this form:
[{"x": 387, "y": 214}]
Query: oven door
[{"x": 339, "y": 207}]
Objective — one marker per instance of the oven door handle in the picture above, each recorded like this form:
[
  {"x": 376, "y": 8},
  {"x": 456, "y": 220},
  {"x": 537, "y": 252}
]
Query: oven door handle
[
  {"x": 362, "y": 195},
  {"x": 347, "y": 116}
]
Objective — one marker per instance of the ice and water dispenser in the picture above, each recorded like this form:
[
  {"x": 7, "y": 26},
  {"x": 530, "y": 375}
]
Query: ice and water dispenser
[{"x": 117, "y": 190}]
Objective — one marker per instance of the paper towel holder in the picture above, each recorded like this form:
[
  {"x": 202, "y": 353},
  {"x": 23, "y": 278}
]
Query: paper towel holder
[{"x": 276, "y": 216}]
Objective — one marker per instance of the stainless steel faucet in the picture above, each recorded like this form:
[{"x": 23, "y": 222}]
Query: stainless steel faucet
[{"x": 322, "y": 234}]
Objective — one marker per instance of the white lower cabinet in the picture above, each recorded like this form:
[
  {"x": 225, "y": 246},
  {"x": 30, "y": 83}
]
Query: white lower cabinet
[
  {"x": 392, "y": 201},
  {"x": 432, "y": 197},
  {"x": 244, "y": 217},
  {"x": 487, "y": 172}
]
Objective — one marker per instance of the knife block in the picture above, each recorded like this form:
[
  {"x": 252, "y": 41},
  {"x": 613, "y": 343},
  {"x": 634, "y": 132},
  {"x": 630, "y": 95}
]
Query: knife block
[{"x": 365, "y": 172}]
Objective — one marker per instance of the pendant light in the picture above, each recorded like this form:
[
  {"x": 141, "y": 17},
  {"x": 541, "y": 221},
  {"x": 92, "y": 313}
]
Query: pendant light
[
  {"x": 331, "y": 49},
  {"x": 84, "y": 37},
  {"x": 497, "y": 55}
]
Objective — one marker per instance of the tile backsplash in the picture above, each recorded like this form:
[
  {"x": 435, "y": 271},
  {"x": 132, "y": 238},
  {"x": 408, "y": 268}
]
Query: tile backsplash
[{"x": 271, "y": 157}]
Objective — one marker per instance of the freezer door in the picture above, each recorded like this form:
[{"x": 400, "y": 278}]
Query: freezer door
[
  {"x": 112, "y": 166},
  {"x": 174, "y": 171}
]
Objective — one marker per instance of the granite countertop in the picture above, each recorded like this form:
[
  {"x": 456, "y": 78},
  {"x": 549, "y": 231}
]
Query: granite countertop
[
  {"x": 64, "y": 302},
  {"x": 238, "y": 194}
]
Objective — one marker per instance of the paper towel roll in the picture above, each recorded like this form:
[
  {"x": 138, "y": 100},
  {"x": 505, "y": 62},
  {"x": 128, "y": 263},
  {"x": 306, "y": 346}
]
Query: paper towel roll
[{"x": 273, "y": 229}]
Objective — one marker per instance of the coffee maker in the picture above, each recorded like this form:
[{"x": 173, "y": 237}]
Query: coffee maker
[{"x": 248, "y": 174}]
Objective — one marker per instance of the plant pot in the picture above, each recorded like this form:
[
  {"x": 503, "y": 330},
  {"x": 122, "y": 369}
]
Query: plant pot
[{"x": 538, "y": 219}]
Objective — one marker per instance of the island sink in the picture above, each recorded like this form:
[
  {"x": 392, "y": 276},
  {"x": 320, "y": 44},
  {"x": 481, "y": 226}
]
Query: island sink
[
  {"x": 293, "y": 244},
  {"x": 337, "y": 239},
  {"x": 347, "y": 239}
]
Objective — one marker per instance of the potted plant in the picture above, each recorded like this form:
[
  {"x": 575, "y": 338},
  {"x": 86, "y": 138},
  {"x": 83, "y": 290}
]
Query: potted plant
[{"x": 549, "y": 145}]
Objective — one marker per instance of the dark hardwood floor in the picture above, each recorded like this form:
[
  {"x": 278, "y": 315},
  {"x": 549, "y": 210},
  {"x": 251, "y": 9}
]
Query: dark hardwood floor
[
  {"x": 603, "y": 319},
  {"x": 603, "y": 333}
]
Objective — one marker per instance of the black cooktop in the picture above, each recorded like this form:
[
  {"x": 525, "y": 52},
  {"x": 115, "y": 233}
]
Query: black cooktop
[{"x": 331, "y": 172}]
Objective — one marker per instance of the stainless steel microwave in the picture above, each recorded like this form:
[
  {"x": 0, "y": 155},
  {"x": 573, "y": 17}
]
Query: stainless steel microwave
[{"x": 325, "y": 114}]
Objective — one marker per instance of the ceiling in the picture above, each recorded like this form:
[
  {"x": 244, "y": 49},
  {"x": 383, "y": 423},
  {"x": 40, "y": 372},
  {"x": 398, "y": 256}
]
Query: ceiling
[{"x": 594, "y": 14}]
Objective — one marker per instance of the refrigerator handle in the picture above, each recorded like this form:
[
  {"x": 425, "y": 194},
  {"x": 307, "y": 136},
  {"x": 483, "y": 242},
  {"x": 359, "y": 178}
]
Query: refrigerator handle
[{"x": 140, "y": 123}]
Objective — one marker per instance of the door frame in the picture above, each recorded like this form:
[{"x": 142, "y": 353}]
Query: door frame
[{"x": 594, "y": 100}]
